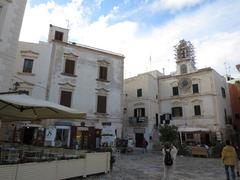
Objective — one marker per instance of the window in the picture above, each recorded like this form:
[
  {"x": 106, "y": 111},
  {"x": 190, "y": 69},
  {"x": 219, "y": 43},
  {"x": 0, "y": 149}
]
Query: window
[
  {"x": 177, "y": 111},
  {"x": 183, "y": 53},
  {"x": 103, "y": 73},
  {"x": 139, "y": 112},
  {"x": 175, "y": 91},
  {"x": 183, "y": 69},
  {"x": 101, "y": 104},
  {"x": 195, "y": 88},
  {"x": 237, "y": 115},
  {"x": 223, "y": 92},
  {"x": 225, "y": 116},
  {"x": 106, "y": 123},
  {"x": 139, "y": 92},
  {"x": 197, "y": 110},
  {"x": 62, "y": 137},
  {"x": 58, "y": 35},
  {"x": 69, "y": 67},
  {"x": 1, "y": 7},
  {"x": 156, "y": 119},
  {"x": 189, "y": 135},
  {"x": 28, "y": 65},
  {"x": 66, "y": 98},
  {"x": 2, "y": 17}
]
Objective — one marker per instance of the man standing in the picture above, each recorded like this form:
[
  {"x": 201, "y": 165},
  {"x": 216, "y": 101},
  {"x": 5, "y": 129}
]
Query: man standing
[
  {"x": 169, "y": 160},
  {"x": 229, "y": 157}
]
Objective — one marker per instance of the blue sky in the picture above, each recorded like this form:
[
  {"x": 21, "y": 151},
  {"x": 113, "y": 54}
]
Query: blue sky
[{"x": 141, "y": 29}]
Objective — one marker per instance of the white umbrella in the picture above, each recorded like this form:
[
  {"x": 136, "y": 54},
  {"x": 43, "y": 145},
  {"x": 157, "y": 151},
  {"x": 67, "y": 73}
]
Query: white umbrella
[
  {"x": 24, "y": 107},
  {"x": 191, "y": 129}
]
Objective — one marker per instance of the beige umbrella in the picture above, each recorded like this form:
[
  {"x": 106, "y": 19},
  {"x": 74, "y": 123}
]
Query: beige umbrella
[{"x": 23, "y": 107}]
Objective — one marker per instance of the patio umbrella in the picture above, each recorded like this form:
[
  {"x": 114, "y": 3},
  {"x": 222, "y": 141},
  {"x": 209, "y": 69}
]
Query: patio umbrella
[{"x": 23, "y": 107}]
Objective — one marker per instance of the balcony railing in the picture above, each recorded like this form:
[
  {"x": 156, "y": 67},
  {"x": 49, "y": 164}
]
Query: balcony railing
[{"x": 138, "y": 121}]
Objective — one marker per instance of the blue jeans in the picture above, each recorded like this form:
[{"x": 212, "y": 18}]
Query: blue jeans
[{"x": 232, "y": 171}]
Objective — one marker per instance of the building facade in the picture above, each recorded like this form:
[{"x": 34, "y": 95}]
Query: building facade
[
  {"x": 141, "y": 108},
  {"x": 11, "y": 15},
  {"x": 195, "y": 100},
  {"x": 81, "y": 77}
]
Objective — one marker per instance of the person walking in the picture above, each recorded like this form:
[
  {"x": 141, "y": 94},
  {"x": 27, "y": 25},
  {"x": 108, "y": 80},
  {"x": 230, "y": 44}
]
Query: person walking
[
  {"x": 144, "y": 145},
  {"x": 229, "y": 157},
  {"x": 169, "y": 160}
]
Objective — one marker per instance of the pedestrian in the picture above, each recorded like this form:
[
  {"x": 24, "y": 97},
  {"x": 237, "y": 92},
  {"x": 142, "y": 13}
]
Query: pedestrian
[
  {"x": 169, "y": 160},
  {"x": 229, "y": 157},
  {"x": 237, "y": 160},
  {"x": 144, "y": 145}
]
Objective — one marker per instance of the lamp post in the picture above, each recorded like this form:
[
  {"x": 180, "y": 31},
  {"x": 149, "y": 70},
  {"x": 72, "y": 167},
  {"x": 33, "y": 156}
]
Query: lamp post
[{"x": 14, "y": 90}]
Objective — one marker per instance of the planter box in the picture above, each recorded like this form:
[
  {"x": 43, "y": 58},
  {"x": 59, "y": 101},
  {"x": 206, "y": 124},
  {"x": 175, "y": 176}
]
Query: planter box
[
  {"x": 93, "y": 163},
  {"x": 97, "y": 163},
  {"x": 70, "y": 168},
  {"x": 8, "y": 172}
]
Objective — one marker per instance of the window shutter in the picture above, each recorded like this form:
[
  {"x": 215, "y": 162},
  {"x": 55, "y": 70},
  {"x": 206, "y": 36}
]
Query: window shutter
[
  {"x": 102, "y": 102},
  {"x": 197, "y": 110},
  {"x": 135, "y": 112},
  {"x": 142, "y": 112},
  {"x": 58, "y": 35},
  {"x": 173, "y": 112},
  {"x": 223, "y": 92},
  {"x": 195, "y": 88},
  {"x": 66, "y": 97},
  {"x": 156, "y": 115},
  {"x": 139, "y": 92},
  {"x": 103, "y": 73},
  {"x": 175, "y": 91},
  {"x": 69, "y": 66},
  {"x": 180, "y": 109},
  {"x": 27, "y": 66}
]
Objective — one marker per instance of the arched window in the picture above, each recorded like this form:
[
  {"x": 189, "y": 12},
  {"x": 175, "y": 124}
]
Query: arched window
[{"x": 183, "y": 69}]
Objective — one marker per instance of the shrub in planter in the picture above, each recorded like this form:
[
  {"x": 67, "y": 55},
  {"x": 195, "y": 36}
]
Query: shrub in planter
[
  {"x": 183, "y": 149},
  {"x": 216, "y": 150}
]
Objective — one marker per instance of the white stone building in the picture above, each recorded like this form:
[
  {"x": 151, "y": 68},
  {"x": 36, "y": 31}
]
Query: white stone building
[
  {"x": 141, "y": 107},
  {"x": 78, "y": 76},
  {"x": 11, "y": 15},
  {"x": 196, "y": 99}
]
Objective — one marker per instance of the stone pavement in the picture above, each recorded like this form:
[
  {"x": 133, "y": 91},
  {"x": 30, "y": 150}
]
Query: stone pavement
[{"x": 149, "y": 166}]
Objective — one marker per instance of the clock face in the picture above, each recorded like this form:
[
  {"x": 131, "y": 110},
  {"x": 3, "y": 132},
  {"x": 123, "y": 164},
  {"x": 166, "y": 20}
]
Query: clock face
[{"x": 185, "y": 83}]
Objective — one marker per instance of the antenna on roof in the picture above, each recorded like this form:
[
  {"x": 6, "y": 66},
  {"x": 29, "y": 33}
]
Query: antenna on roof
[
  {"x": 227, "y": 69},
  {"x": 67, "y": 23},
  {"x": 150, "y": 63}
]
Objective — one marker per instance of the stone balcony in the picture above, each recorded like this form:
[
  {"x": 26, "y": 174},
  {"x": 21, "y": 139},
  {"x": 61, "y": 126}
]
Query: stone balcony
[{"x": 138, "y": 121}]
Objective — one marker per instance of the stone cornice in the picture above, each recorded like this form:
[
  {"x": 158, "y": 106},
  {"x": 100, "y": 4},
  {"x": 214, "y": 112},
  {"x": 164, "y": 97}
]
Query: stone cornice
[{"x": 29, "y": 54}]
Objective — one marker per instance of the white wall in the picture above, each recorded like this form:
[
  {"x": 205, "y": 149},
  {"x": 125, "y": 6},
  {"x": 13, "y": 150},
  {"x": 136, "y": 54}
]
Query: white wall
[
  {"x": 209, "y": 98},
  {"x": 149, "y": 84},
  {"x": 35, "y": 82},
  {"x": 10, "y": 24},
  {"x": 85, "y": 86}
]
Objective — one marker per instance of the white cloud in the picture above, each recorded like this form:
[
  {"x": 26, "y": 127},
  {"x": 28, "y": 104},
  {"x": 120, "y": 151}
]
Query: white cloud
[
  {"x": 173, "y": 4},
  {"x": 220, "y": 52},
  {"x": 210, "y": 30},
  {"x": 37, "y": 19},
  {"x": 98, "y": 3}
]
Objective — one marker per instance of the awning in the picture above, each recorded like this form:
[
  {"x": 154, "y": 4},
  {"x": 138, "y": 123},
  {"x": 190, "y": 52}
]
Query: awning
[
  {"x": 23, "y": 107},
  {"x": 192, "y": 129}
]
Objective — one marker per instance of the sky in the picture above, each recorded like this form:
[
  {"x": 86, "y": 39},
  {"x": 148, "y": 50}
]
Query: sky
[{"x": 144, "y": 31}]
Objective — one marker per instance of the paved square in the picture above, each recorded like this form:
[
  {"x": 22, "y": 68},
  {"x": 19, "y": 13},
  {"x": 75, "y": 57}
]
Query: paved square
[{"x": 149, "y": 166}]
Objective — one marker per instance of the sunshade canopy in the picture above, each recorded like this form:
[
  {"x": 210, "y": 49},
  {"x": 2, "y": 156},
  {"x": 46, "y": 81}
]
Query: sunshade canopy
[
  {"x": 24, "y": 107},
  {"x": 192, "y": 129}
]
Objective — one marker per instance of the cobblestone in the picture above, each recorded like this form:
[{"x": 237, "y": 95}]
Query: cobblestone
[{"x": 149, "y": 166}]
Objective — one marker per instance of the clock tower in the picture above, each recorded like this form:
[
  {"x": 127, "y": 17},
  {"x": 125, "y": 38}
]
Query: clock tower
[{"x": 185, "y": 57}]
